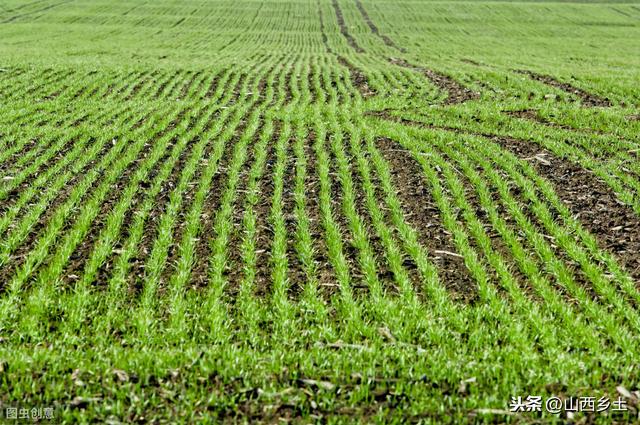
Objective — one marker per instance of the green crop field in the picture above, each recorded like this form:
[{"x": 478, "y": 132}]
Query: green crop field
[{"x": 332, "y": 211}]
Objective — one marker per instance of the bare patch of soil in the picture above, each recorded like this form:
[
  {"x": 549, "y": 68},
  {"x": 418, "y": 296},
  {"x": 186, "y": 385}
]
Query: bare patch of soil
[
  {"x": 457, "y": 93},
  {"x": 587, "y": 99},
  {"x": 421, "y": 211},
  {"x": 343, "y": 28},
  {"x": 614, "y": 224},
  {"x": 358, "y": 79},
  {"x": 374, "y": 29}
]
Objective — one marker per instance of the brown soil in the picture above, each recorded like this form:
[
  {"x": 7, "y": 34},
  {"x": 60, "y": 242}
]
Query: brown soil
[
  {"x": 457, "y": 93},
  {"x": 130, "y": 82},
  {"x": 151, "y": 227},
  {"x": 30, "y": 178},
  {"x": 148, "y": 236},
  {"x": 422, "y": 213},
  {"x": 163, "y": 85},
  {"x": 327, "y": 280},
  {"x": 234, "y": 270},
  {"x": 287, "y": 86},
  {"x": 31, "y": 239},
  {"x": 264, "y": 232},
  {"x": 343, "y": 29},
  {"x": 181, "y": 219},
  {"x": 384, "y": 273},
  {"x": 313, "y": 95},
  {"x": 614, "y": 224},
  {"x": 138, "y": 86},
  {"x": 51, "y": 79},
  {"x": 82, "y": 252},
  {"x": 297, "y": 278},
  {"x": 8, "y": 163},
  {"x": 586, "y": 98},
  {"x": 200, "y": 273},
  {"x": 358, "y": 78},
  {"x": 213, "y": 86},
  {"x": 349, "y": 249},
  {"x": 185, "y": 88},
  {"x": 374, "y": 29}
]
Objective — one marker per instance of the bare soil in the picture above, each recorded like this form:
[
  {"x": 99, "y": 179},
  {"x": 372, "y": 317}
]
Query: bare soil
[
  {"x": 374, "y": 29},
  {"x": 422, "y": 213},
  {"x": 358, "y": 78},
  {"x": 614, "y": 224},
  {"x": 457, "y": 93},
  {"x": 343, "y": 28},
  {"x": 587, "y": 99}
]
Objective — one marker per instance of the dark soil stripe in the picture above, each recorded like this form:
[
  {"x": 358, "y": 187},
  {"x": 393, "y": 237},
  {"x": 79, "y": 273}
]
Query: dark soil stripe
[
  {"x": 349, "y": 248},
  {"x": 26, "y": 246},
  {"x": 374, "y": 29},
  {"x": 264, "y": 232},
  {"x": 456, "y": 93},
  {"x": 422, "y": 213},
  {"x": 343, "y": 28},
  {"x": 326, "y": 277},
  {"x": 384, "y": 273},
  {"x": 587, "y": 99},
  {"x": 295, "y": 270},
  {"x": 358, "y": 78},
  {"x": 614, "y": 224}
]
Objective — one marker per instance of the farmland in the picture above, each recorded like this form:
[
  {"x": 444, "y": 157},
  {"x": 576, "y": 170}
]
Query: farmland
[{"x": 318, "y": 210}]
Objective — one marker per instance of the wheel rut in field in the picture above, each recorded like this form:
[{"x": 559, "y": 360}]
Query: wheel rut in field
[
  {"x": 456, "y": 92},
  {"x": 374, "y": 29},
  {"x": 532, "y": 115},
  {"x": 344, "y": 30},
  {"x": 422, "y": 213},
  {"x": 614, "y": 224},
  {"x": 358, "y": 79},
  {"x": 587, "y": 99}
]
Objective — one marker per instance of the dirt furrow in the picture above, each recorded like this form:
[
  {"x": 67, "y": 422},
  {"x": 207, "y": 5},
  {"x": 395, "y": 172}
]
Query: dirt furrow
[
  {"x": 327, "y": 281},
  {"x": 456, "y": 92},
  {"x": 358, "y": 78},
  {"x": 614, "y": 224},
  {"x": 374, "y": 29},
  {"x": 587, "y": 99},
  {"x": 343, "y": 28},
  {"x": 295, "y": 267},
  {"x": 422, "y": 213},
  {"x": 264, "y": 231}
]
